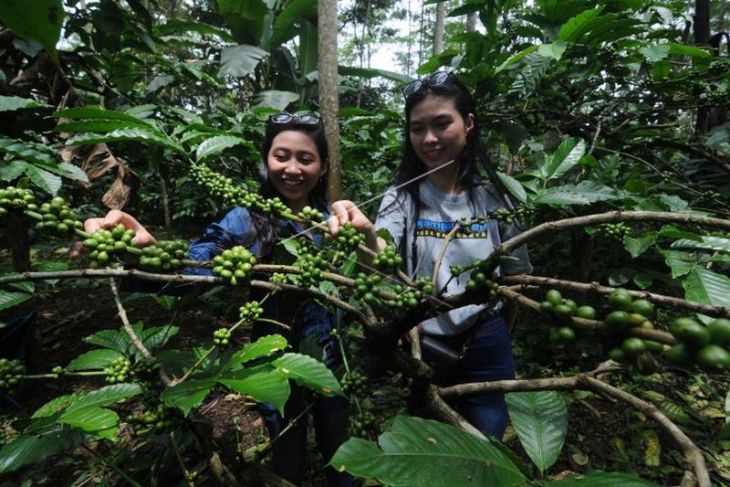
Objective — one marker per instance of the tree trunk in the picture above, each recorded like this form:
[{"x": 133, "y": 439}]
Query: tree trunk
[
  {"x": 701, "y": 28},
  {"x": 16, "y": 232},
  {"x": 328, "y": 102},
  {"x": 438, "y": 32},
  {"x": 471, "y": 22}
]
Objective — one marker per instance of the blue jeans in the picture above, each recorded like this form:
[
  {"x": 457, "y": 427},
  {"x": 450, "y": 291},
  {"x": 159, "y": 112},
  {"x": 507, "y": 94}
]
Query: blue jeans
[{"x": 488, "y": 357}]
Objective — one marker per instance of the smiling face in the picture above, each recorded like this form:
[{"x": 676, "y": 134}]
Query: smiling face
[
  {"x": 294, "y": 166},
  {"x": 438, "y": 132}
]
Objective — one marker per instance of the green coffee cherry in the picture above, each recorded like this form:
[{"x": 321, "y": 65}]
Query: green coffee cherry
[
  {"x": 387, "y": 260},
  {"x": 118, "y": 370},
  {"x": 251, "y": 311},
  {"x": 11, "y": 373},
  {"x": 221, "y": 337},
  {"x": 234, "y": 264}
]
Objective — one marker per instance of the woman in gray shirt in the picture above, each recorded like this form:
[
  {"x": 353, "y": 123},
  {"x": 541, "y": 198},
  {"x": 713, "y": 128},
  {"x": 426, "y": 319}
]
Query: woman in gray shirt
[{"x": 444, "y": 160}]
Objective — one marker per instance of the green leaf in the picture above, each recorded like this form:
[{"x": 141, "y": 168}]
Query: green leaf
[
  {"x": 10, "y": 299},
  {"x": 30, "y": 449},
  {"x": 176, "y": 26},
  {"x": 48, "y": 182},
  {"x": 216, "y": 145},
  {"x": 373, "y": 73},
  {"x": 308, "y": 372},
  {"x": 127, "y": 135},
  {"x": 583, "y": 193},
  {"x": 564, "y": 158},
  {"x": 95, "y": 359},
  {"x": 39, "y": 20},
  {"x": 294, "y": 11},
  {"x": 654, "y": 54},
  {"x": 240, "y": 61},
  {"x": 690, "y": 51},
  {"x": 574, "y": 28},
  {"x": 598, "y": 478},
  {"x": 12, "y": 103},
  {"x": 74, "y": 172},
  {"x": 93, "y": 419},
  {"x": 157, "y": 336},
  {"x": 276, "y": 99},
  {"x": 427, "y": 453},
  {"x": 263, "y": 383},
  {"x": 704, "y": 286},
  {"x": 189, "y": 394},
  {"x": 554, "y": 50},
  {"x": 12, "y": 170},
  {"x": 106, "y": 395},
  {"x": 540, "y": 420},
  {"x": 716, "y": 244},
  {"x": 113, "y": 339},
  {"x": 56, "y": 405},
  {"x": 101, "y": 126},
  {"x": 263, "y": 347},
  {"x": 100, "y": 114},
  {"x": 637, "y": 246},
  {"x": 516, "y": 58},
  {"x": 681, "y": 263},
  {"x": 513, "y": 186}
]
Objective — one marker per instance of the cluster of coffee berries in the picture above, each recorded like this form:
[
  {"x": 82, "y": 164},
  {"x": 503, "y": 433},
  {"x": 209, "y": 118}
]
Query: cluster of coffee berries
[
  {"x": 165, "y": 255},
  {"x": 273, "y": 206},
  {"x": 563, "y": 309},
  {"x": 159, "y": 420},
  {"x": 312, "y": 214},
  {"x": 479, "y": 280},
  {"x": 251, "y": 311},
  {"x": 707, "y": 346},
  {"x": 365, "y": 287},
  {"x": 223, "y": 187},
  {"x": 616, "y": 231},
  {"x": 234, "y": 264},
  {"x": 11, "y": 373},
  {"x": 118, "y": 370},
  {"x": 627, "y": 312},
  {"x": 104, "y": 244},
  {"x": 349, "y": 238},
  {"x": 279, "y": 277},
  {"x": 406, "y": 297},
  {"x": 353, "y": 381},
  {"x": 310, "y": 267},
  {"x": 57, "y": 216},
  {"x": 362, "y": 424},
  {"x": 387, "y": 260},
  {"x": 221, "y": 336},
  {"x": 12, "y": 198}
]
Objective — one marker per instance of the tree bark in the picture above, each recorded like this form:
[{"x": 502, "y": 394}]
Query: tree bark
[
  {"x": 328, "y": 101},
  {"x": 438, "y": 32},
  {"x": 701, "y": 29},
  {"x": 16, "y": 232}
]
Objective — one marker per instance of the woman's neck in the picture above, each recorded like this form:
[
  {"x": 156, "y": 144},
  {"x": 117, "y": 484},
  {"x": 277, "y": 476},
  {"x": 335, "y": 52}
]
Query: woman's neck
[{"x": 446, "y": 180}]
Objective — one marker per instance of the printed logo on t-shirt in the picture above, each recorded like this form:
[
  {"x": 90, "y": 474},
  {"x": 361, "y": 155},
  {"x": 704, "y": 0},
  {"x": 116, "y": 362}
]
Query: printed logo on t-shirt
[{"x": 430, "y": 228}]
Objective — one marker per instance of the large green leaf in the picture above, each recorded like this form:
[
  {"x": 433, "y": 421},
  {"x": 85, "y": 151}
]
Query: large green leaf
[
  {"x": 95, "y": 359},
  {"x": 308, "y": 372},
  {"x": 176, "y": 26},
  {"x": 30, "y": 449},
  {"x": 141, "y": 135},
  {"x": 715, "y": 244},
  {"x": 113, "y": 339},
  {"x": 637, "y": 246},
  {"x": 157, "y": 336},
  {"x": 294, "y": 11},
  {"x": 216, "y": 145},
  {"x": 540, "y": 420},
  {"x": 426, "y": 453},
  {"x": 98, "y": 114},
  {"x": 12, "y": 170},
  {"x": 597, "y": 478},
  {"x": 189, "y": 394},
  {"x": 553, "y": 50},
  {"x": 48, "y": 182},
  {"x": 513, "y": 186},
  {"x": 516, "y": 58},
  {"x": 95, "y": 420},
  {"x": 56, "y": 405},
  {"x": 583, "y": 193},
  {"x": 576, "y": 27},
  {"x": 101, "y": 126},
  {"x": 680, "y": 262},
  {"x": 655, "y": 54},
  {"x": 275, "y": 99},
  {"x": 12, "y": 103},
  {"x": 39, "y": 20},
  {"x": 705, "y": 286},
  {"x": 373, "y": 73},
  {"x": 240, "y": 61},
  {"x": 10, "y": 299},
  {"x": 565, "y": 157},
  {"x": 263, "y": 383},
  {"x": 105, "y": 396},
  {"x": 263, "y": 347}
]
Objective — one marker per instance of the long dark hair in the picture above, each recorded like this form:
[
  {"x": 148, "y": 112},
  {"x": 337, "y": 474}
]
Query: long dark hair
[
  {"x": 267, "y": 233},
  {"x": 473, "y": 162}
]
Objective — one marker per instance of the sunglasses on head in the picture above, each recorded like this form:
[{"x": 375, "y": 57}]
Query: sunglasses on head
[
  {"x": 433, "y": 79},
  {"x": 304, "y": 119}
]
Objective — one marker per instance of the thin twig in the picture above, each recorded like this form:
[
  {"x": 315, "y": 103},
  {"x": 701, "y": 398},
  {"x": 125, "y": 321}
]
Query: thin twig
[
  {"x": 442, "y": 252},
  {"x": 178, "y": 454},
  {"x": 132, "y": 334}
]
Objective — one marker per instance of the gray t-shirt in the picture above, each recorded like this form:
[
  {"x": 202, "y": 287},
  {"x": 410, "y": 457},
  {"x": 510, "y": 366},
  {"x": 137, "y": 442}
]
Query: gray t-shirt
[{"x": 429, "y": 225}]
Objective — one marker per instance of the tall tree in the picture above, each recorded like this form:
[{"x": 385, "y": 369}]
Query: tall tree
[
  {"x": 438, "y": 33},
  {"x": 327, "y": 66}
]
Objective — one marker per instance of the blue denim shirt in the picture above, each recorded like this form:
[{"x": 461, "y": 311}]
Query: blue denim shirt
[{"x": 237, "y": 228}]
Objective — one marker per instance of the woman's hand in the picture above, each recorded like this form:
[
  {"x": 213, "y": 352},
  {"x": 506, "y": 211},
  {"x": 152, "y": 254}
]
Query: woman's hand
[
  {"x": 345, "y": 211},
  {"x": 143, "y": 238}
]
